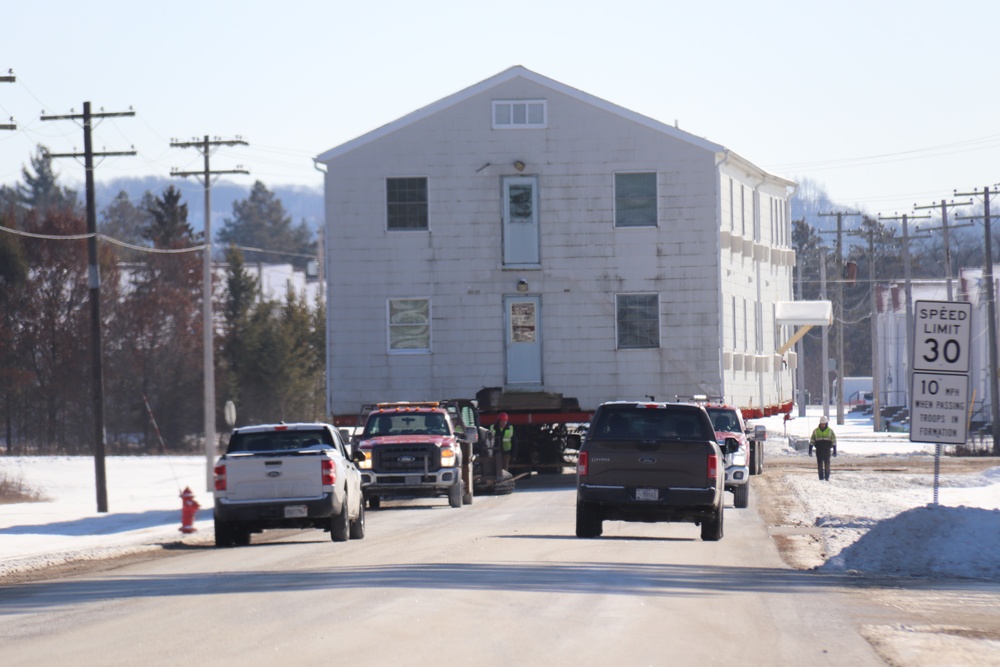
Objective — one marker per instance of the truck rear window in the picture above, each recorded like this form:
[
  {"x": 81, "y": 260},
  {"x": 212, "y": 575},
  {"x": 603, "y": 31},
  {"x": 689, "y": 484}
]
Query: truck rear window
[
  {"x": 273, "y": 441},
  {"x": 635, "y": 423}
]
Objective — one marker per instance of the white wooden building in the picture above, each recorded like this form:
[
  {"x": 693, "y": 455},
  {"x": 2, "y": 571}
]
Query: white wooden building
[{"x": 526, "y": 235}]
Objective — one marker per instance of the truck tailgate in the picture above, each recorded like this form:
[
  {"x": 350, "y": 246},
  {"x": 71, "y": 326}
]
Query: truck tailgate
[
  {"x": 660, "y": 464},
  {"x": 261, "y": 477}
]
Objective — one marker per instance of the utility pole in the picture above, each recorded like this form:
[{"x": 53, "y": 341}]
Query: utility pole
[
  {"x": 825, "y": 338},
  {"x": 908, "y": 290},
  {"x": 944, "y": 236},
  {"x": 800, "y": 369},
  {"x": 94, "y": 280},
  {"x": 207, "y": 147},
  {"x": 839, "y": 311},
  {"x": 8, "y": 78},
  {"x": 991, "y": 314}
]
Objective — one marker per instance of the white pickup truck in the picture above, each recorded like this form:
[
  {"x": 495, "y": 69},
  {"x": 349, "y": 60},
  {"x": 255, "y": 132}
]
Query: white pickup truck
[{"x": 287, "y": 476}]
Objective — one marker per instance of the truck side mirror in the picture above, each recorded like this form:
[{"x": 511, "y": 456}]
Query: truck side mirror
[
  {"x": 760, "y": 432},
  {"x": 732, "y": 445}
]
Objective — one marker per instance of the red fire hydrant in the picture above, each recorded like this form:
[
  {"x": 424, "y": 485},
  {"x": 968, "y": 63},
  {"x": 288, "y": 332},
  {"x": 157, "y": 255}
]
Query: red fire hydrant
[{"x": 189, "y": 508}]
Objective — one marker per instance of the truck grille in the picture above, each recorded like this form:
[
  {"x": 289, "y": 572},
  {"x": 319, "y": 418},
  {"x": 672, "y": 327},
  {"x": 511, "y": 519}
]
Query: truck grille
[{"x": 410, "y": 458}]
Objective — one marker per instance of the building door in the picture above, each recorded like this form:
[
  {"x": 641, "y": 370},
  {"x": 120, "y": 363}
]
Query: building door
[
  {"x": 524, "y": 340},
  {"x": 520, "y": 221}
]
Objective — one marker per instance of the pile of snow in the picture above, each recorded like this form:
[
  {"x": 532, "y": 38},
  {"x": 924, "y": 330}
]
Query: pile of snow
[
  {"x": 886, "y": 522},
  {"x": 871, "y": 522}
]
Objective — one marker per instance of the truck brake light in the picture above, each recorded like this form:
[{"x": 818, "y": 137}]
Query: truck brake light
[
  {"x": 582, "y": 464},
  {"x": 220, "y": 478},
  {"x": 329, "y": 472},
  {"x": 713, "y": 466}
]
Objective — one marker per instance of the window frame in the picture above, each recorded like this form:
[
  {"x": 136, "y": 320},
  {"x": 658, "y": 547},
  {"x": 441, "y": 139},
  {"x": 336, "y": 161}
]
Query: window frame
[
  {"x": 512, "y": 124},
  {"x": 389, "y": 326},
  {"x": 391, "y": 205},
  {"x": 619, "y": 210},
  {"x": 619, "y": 343}
]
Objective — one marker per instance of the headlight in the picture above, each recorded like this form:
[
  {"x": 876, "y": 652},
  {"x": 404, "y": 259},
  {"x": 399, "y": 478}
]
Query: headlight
[
  {"x": 365, "y": 464},
  {"x": 447, "y": 457}
]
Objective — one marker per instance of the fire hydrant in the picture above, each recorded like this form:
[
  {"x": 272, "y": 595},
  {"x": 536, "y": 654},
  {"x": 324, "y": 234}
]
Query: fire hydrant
[{"x": 189, "y": 508}]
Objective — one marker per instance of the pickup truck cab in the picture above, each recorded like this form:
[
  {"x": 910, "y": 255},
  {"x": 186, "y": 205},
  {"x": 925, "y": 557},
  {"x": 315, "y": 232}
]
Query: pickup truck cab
[
  {"x": 287, "y": 476},
  {"x": 650, "y": 462}
]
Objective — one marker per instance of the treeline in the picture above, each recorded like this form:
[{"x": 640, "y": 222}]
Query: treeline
[{"x": 269, "y": 355}]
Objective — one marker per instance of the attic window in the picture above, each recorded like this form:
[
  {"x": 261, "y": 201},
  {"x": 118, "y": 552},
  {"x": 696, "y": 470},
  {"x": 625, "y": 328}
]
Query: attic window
[{"x": 509, "y": 114}]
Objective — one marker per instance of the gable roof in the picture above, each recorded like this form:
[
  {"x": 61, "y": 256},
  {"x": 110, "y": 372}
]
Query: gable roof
[{"x": 508, "y": 74}]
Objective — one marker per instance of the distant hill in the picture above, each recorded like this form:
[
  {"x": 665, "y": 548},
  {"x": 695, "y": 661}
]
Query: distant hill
[{"x": 300, "y": 202}]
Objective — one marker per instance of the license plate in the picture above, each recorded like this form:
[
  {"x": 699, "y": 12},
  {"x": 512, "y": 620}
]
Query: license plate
[
  {"x": 647, "y": 494},
  {"x": 414, "y": 480},
  {"x": 296, "y": 511}
]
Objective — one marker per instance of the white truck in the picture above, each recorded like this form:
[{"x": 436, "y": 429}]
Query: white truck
[{"x": 287, "y": 476}]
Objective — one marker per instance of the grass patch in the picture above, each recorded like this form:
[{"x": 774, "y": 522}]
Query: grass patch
[{"x": 14, "y": 490}]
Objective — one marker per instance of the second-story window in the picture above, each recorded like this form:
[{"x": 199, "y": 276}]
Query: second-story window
[
  {"x": 406, "y": 203},
  {"x": 635, "y": 200}
]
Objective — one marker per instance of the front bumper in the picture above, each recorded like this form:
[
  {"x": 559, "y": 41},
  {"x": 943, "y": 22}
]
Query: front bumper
[
  {"x": 737, "y": 476},
  {"x": 417, "y": 483}
]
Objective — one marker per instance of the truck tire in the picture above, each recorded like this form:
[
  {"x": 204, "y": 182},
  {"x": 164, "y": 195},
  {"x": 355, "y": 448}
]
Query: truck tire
[
  {"x": 242, "y": 536},
  {"x": 754, "y": 454},
  {"x": 340, "y": 529},
  {"x": 357, "y": 531},
  {"x": 374, "y": 502},
  {"x": 225, "y": 534},
  {"x": 455, "y": 494},
  {"x": 760, "y": 458},
  {"x": 741, "y": 496},
  {"x": 467, "y": 496},
  {"x": 711, "y": 529},
  {"x": 588, "y": 520}
]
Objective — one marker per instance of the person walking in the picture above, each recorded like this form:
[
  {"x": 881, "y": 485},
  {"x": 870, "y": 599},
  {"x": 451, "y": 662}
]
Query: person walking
[
  {"x": 503, "y": 434},
  {"x": 824, "y": 440}
]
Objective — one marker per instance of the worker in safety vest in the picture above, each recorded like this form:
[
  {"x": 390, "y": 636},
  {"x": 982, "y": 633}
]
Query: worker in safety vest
[
  {"x": 503, "y": 435},
  {"x": 824, "y": 440}
]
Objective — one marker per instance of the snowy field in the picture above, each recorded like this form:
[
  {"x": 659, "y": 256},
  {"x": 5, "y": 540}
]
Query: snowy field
[{"x": 873, "y": 522}]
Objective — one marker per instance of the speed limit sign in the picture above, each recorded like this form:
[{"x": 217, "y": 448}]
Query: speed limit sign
[{"x": 941, "y": 336}]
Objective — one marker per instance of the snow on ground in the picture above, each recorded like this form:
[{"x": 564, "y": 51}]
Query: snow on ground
[
  {"x": 886, "y": 522},
  {"x": 873, "y": 522}
]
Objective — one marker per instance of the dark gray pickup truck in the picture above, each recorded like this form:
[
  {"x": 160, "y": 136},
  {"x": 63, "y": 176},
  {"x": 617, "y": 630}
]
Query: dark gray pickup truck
[{"x": 650, "y": 462}]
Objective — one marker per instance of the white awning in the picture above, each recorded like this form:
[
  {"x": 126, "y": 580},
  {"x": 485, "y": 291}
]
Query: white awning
[{"x": 816, "y": 313}]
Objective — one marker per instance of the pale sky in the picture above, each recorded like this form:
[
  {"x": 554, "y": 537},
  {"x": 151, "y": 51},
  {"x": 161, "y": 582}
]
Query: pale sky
[{"x": 884, "y": 103}]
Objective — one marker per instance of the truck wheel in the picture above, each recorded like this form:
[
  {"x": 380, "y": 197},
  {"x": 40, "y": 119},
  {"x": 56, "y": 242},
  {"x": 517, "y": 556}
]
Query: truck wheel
[
  {"x": 588, "y": 520},
  {"x": 374, "y": 502},
  {"x": 711, "y": 529},
  {"x": 467, "y": 496},
  {"x": 741, "y": 495},
  {"x": 455, "y": 494},
  {"x": 339, "y": 525},
  {"x": 358, "y": 525},
  {"x": 225, "y": 534},
  {"x": 760, "y": 459},
  {"x": 242, "y": 536}
]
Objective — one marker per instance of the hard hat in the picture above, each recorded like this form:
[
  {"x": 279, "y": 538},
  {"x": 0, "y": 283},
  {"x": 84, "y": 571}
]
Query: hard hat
[
  {"x": 823, "y": 419},
  {"x": 502, "y": 417}
]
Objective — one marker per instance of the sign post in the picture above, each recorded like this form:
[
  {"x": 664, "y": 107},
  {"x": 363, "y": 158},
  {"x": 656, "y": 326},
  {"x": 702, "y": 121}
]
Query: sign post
[{"x": 939, "y": 391}]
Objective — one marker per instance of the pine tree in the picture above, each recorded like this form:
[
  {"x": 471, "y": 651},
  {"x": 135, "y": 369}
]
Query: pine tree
[
  {"x": 41, "y": 190},
  {"x": 260, "y": 221}
]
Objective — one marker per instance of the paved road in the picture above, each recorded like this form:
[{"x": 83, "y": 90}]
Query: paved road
[{"x": 501, "y": 582}]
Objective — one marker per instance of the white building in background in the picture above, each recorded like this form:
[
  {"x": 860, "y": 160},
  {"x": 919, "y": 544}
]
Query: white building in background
[
  {"x": 895, "y": 335},
  {"x": 525, "y": 235}
]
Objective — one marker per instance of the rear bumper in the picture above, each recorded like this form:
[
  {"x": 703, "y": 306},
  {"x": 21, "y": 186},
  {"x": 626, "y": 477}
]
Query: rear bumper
[
  {"x": 673, "y": 504},
  {"x": 274, "y": 512}
]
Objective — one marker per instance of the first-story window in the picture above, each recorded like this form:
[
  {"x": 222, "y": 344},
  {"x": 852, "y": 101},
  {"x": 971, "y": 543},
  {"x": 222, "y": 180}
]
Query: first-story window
[
  {"x": 409, "y": 322},
  {"x": 635, "y": 200},
  {"x": 406, "y": 203},
  {"x": 638, "y": 320}
]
